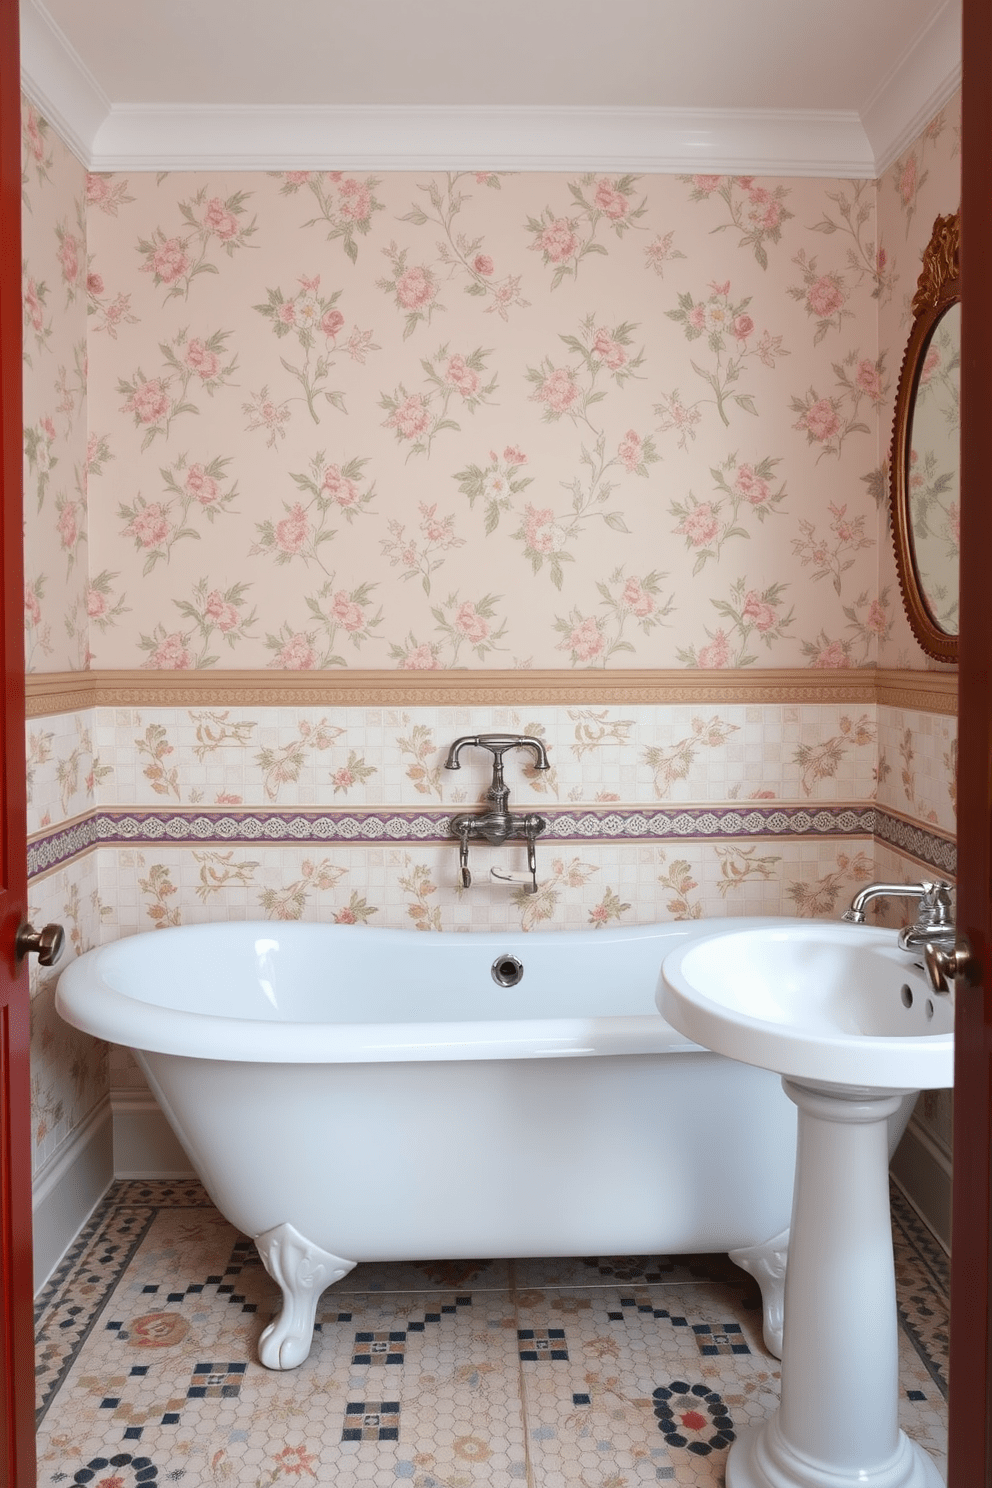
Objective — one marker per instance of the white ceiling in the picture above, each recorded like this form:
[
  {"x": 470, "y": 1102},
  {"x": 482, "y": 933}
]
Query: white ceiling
[{"x": 805, "y": 85}]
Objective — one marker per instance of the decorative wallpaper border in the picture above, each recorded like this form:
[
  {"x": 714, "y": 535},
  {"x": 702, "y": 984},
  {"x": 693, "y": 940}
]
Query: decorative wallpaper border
[
  {"x": 917, "y": 841},
  {"x": 48, "y": 693},
  {"x": 397, "y": 828}
]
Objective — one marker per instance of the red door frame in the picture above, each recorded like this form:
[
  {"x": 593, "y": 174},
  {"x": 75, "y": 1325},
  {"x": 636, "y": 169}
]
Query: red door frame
[
  {"x": 970, "y": 1434},
  {"x": 17, "y": 1405}
]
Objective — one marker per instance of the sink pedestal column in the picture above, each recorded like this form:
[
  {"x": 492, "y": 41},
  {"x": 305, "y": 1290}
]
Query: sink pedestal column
[{"x": 837, "y": 1424}]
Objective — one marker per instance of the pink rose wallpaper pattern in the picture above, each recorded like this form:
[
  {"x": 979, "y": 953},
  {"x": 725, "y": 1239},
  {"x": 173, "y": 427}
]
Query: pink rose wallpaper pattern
[{"x": 306, "y": 420}]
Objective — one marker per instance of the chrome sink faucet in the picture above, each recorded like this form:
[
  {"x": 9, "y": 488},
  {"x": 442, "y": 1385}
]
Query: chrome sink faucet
[
  {"x": 497, "y": 824},
  {"x": 932, "y": 932}
]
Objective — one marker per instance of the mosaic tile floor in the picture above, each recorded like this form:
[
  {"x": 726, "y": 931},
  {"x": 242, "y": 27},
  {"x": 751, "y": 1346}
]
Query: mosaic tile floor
[{"x": 605, "y": 1372}]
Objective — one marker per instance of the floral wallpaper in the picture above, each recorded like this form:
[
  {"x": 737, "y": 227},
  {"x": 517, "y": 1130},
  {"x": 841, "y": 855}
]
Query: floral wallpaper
[
  {"x": 69, "y": 1070},
  {"x": 304, "y": 420},
  {"x": 485, "y": 421},
  {"x": 57, "y": 459}
]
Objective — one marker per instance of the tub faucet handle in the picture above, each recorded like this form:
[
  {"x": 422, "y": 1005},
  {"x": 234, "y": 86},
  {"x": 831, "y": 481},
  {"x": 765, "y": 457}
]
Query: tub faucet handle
[
  {"x": 465, "y": 873},
  {"x": 498, "y": 744}
]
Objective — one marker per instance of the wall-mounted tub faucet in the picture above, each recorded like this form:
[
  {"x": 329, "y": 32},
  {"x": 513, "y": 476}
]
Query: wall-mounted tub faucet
[{"x": 499, "y": 823}]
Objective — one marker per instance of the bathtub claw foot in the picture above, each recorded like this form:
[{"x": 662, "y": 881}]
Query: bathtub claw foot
[
  {"x": 302, "y": 1271},
  {"x": 766, "y": 1263}
]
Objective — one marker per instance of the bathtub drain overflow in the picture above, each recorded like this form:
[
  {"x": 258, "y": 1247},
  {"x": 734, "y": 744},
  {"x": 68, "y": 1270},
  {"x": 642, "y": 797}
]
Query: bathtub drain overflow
[{"x": 507, "y": 971}]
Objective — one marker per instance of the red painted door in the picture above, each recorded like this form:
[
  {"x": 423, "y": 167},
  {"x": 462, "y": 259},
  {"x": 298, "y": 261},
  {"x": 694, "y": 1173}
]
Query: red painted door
[
  {"x": 970, "y": 1444},
  {"x": 17, "y": 1463}
]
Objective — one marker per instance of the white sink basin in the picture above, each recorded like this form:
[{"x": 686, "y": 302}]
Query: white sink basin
[{"x": 813, "y": 1000}]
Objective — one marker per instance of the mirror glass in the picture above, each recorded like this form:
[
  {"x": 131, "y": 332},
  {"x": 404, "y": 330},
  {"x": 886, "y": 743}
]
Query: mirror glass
[{"x": 933, "y": 476}]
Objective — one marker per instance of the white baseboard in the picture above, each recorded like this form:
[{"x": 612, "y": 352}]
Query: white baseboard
[
  {"x": 144, "y": 1143},
  {"x": 68, "y": 1188},
  {"x": 922, "y": 1169}
]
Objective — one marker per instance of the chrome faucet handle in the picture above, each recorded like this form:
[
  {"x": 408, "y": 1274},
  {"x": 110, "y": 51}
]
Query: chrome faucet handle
[
  {"x": 934, "y": 907},
  {"x": 497, "y": 744},
  {"x": 465, "y": 873},
  {"x": 933, "y": 922}
]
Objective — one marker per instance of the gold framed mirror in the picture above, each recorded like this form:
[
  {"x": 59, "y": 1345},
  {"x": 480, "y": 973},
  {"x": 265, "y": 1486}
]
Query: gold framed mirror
[{"x": 924, "y": 469}]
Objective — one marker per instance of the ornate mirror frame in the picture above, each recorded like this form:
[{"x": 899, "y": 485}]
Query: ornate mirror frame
[{"x": 939, "y": 288}]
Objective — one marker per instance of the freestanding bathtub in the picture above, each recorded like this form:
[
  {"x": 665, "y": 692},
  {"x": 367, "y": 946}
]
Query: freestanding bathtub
[{"x": 354, "y": 1094}]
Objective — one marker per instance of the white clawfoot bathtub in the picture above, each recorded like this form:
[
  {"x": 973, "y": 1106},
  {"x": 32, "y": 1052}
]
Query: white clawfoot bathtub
[{"x": 354, "y": 1094}]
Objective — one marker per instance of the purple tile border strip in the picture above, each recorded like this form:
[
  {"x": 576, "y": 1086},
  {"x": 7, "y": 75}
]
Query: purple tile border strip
[
  {"x": 912, "y": 838},
  {"x": 624, "y": 824}
]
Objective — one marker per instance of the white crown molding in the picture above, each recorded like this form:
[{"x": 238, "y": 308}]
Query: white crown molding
[
  {"x": 791, "y": 142},
  {"x": 56, "y": 80},
  {"x": 918, "y": 86},
  {"x": 713, "y": 141}
]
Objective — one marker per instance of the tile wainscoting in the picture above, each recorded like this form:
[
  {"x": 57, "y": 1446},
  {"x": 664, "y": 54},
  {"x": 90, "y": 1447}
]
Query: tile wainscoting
[{"x": 157, "y": 801}]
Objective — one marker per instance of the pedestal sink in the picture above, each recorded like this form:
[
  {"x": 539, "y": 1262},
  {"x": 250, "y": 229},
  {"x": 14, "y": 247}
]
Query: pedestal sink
[{"x": 851, "y": 1024}]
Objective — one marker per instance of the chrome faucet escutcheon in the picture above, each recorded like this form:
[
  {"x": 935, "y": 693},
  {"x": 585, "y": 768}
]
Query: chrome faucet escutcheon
[{"x": 498, "y": 823}]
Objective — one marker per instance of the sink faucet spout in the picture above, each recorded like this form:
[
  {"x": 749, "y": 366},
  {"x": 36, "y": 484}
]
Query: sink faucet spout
[{"x": 921, "y": 891}]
